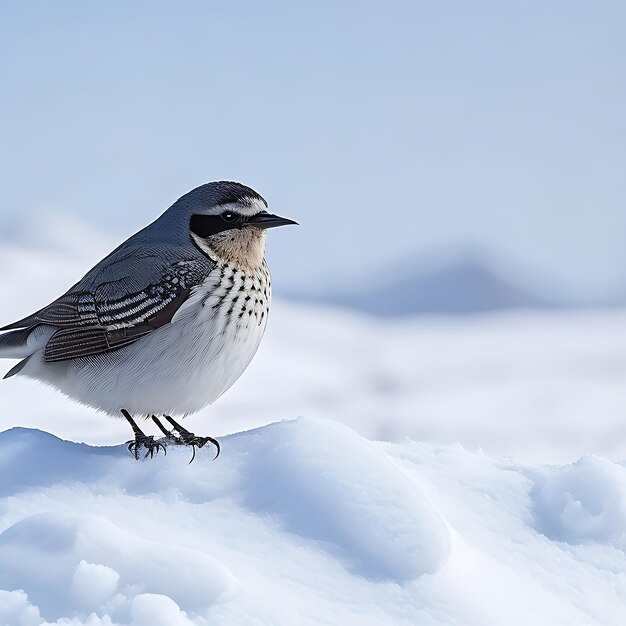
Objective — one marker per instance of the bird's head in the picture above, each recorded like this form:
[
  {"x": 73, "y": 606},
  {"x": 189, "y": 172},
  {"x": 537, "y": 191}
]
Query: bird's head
[{"x": 228, "y": 220}]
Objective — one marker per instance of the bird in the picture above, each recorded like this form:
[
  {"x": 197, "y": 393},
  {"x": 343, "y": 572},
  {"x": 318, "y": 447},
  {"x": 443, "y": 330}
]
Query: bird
[{"x": 165, "y": 323}]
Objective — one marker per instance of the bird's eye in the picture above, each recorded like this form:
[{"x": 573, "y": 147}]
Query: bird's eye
[{"x": 229, "y": 217}]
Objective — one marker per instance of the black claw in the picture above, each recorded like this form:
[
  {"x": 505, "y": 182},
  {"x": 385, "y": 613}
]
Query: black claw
[
  {"x": 148, "y": 442},
  {"x": 216, "y": 443},
  {"x": 141, "y": 439},
  {"x": 182, "y": 437}
]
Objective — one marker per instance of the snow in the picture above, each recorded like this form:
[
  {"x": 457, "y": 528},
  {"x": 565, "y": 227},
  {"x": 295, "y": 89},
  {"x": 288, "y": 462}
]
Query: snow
[
  {"x": 444, "y": 471},
  {"x": 584, "y": 500},
  {"x": 305, "y": 522}
]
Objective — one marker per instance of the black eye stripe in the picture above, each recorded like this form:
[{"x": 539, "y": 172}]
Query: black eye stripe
[{"x": 206, "y": 225}]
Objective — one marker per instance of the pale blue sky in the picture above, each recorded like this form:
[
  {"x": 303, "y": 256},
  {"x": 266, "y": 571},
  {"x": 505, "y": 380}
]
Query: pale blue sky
[{"x": 387, "y": 129}]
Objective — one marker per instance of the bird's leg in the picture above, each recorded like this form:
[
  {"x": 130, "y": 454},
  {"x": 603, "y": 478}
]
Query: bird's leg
[
  {"x": 141, "y": 439},
  {"x": 182, "y": 437},
  {"x": 168, "y": 433}
]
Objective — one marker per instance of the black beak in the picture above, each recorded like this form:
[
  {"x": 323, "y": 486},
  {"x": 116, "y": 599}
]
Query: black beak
[{"x": 267, "y": 220}]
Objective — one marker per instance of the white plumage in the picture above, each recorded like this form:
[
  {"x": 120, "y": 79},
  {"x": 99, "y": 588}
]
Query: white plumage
[{"x": 181, "y": 367}]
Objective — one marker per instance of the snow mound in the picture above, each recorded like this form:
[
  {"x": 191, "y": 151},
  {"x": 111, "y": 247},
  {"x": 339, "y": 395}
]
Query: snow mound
[
  {"x": 16, "y": 610},
  {"x": 582, "y": 501},
  {"x": 56, "y": 460},
  {"x": 324, "y": 482},
  {"x": 154, "y": 610},
  {"x": 81, "y": 559},
  {"x": 305, "y": 522}
]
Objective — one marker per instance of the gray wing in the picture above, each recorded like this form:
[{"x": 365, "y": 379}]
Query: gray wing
[{"x": 129, "y": 294}]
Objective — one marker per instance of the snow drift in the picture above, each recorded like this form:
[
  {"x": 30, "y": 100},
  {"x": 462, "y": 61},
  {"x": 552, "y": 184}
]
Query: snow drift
[{"x": 304, "y": 522}]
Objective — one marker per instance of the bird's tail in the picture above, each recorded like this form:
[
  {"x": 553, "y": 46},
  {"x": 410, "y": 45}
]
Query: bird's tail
[
  {"x": 22, "y": 344},
  {"x": 15, "y": 344}
]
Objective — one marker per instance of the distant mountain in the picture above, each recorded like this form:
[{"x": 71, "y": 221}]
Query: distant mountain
[{"x": 459, "y": 287}]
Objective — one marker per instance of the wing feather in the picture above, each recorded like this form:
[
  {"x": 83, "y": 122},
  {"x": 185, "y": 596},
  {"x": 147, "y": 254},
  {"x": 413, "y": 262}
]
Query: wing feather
[
  {"x": 111, "y": 308},
  {"x": 74, "y": 343}
]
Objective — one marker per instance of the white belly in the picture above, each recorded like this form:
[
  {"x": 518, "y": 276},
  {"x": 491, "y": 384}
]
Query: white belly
[{"x": 183, "y": 366}]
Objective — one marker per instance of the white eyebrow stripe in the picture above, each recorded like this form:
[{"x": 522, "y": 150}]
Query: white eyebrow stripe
[{"x": 255, "y": 207}]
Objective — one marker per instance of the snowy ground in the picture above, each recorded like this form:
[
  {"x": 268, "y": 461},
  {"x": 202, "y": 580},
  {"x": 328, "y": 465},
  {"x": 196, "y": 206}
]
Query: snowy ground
[
  {"x": 309, "y": 521},
  {"x": 306, "y": 522}
]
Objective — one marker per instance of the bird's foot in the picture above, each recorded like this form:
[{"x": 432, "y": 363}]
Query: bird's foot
[
  {"x": 147, "y": 442},
  {"x": 180, "y": 436},
  {"x": 142, "y": 440}
]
